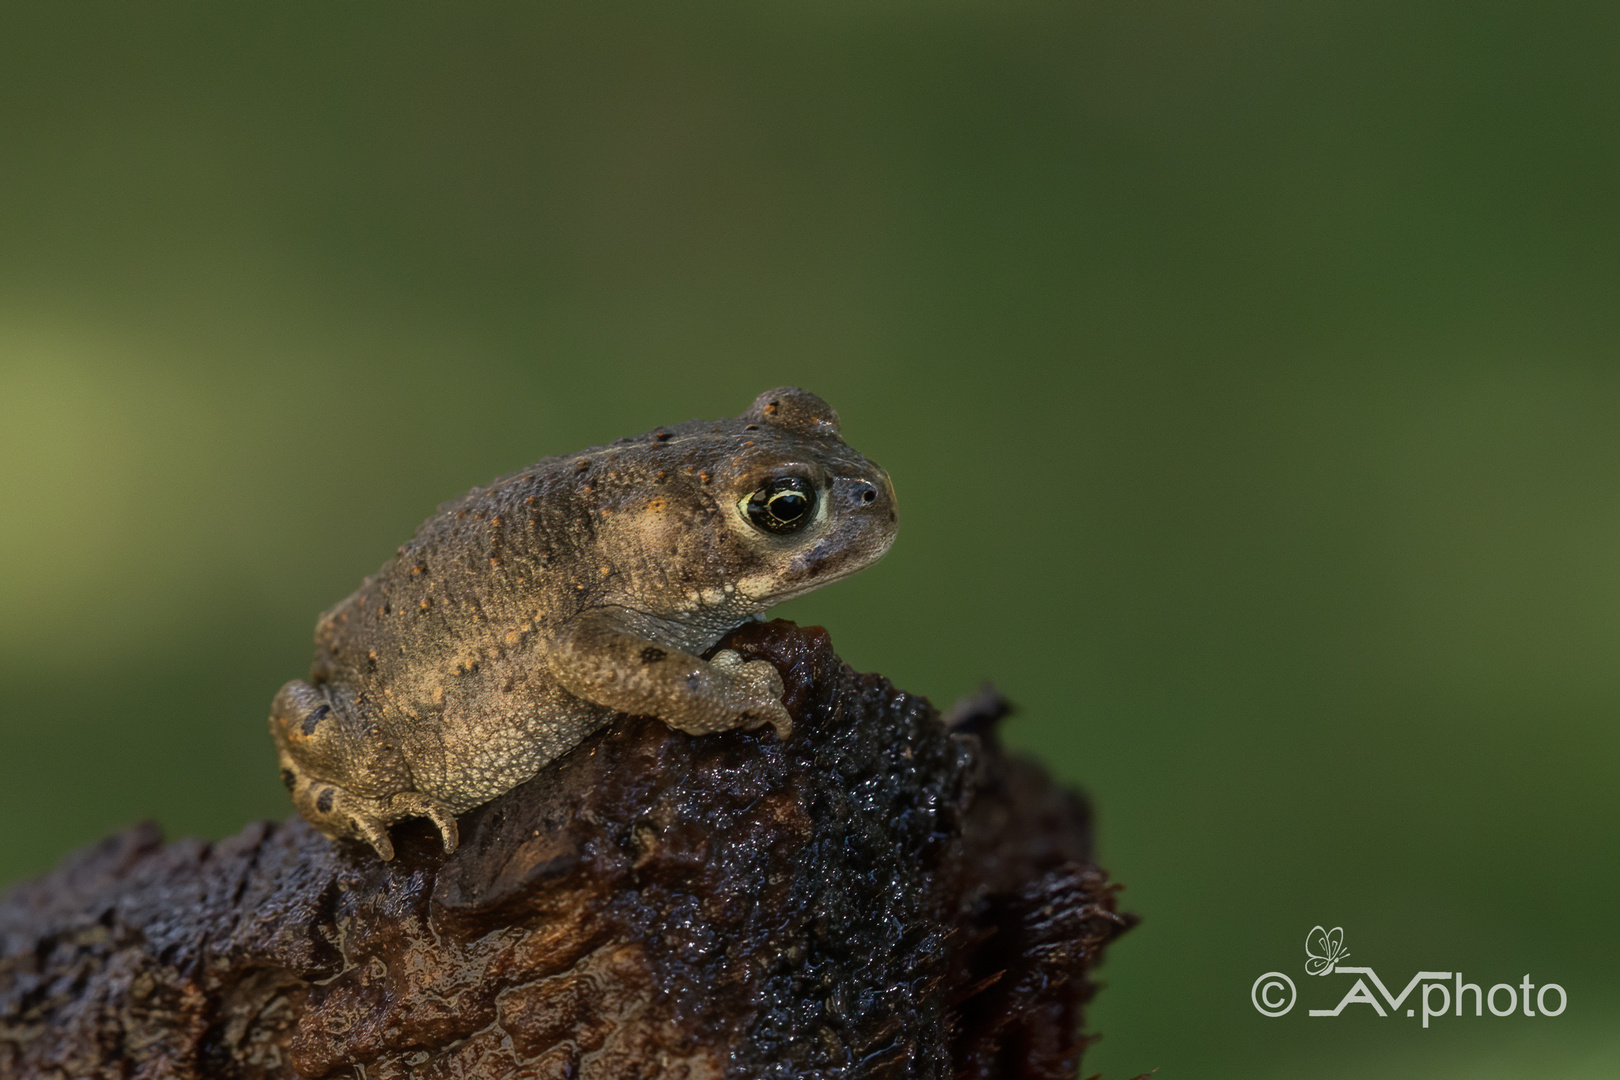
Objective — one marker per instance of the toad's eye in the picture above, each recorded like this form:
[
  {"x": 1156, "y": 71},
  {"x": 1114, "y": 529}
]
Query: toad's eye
[{"x": 785, "y": 504}]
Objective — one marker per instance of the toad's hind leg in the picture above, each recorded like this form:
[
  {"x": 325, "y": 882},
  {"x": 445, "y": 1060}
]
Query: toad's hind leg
[
  {"x": 338, "y": 812},
  {"x": 415, "y": 804},
  {"x": 346, "y": 780}
]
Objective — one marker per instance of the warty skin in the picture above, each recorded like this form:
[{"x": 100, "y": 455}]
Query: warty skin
[{"x": 528, "y": 613}]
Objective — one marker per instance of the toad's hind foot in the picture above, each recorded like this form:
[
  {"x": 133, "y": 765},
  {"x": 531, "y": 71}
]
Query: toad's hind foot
[
  {"x": 340, "y": 813},
  {"x": 415, "y": 804},
  {"x": 373, "y": 828},
  {"x": 376, "y": 834}
]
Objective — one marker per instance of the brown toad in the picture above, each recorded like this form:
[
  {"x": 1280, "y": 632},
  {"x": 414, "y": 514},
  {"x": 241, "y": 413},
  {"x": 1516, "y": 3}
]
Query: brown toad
[{"x": 527, "y": 614}]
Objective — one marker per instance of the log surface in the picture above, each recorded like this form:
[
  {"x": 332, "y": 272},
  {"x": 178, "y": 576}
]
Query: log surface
[{"x": 886, "y": 894}]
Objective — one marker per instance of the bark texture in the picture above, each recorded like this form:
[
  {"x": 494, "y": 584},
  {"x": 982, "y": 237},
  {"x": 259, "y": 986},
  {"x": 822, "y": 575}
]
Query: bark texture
[{"x": 886, "y": 894}]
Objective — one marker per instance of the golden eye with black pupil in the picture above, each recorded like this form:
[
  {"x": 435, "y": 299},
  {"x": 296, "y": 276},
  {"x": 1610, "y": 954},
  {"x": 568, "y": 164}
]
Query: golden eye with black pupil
[{"x": 784, "y": 504}]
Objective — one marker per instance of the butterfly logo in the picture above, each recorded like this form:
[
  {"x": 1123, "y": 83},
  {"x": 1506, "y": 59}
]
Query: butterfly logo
[{"x": 1325, "y": 948}]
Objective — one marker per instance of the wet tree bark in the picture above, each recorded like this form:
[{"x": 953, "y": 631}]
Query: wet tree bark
[{"x": 887, "y": 894}]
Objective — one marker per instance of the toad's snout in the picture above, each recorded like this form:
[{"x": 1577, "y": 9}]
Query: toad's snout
[
  {"x": 865, "y": 506},
  {"x": 862, "y": 497},
  {"x": 871, "y": 497}
]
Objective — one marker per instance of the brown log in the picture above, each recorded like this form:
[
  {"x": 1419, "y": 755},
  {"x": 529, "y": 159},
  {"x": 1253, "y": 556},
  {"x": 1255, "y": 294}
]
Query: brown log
[{"x": 887, "y": 894}]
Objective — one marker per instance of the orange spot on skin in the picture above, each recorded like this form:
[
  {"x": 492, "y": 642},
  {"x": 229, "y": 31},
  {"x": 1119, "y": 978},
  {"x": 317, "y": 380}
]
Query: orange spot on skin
[{"x": 426, "y": 604}]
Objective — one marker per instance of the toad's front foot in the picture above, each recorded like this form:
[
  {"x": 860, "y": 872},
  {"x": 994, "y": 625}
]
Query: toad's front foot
[{"x": 758, "y": 687}]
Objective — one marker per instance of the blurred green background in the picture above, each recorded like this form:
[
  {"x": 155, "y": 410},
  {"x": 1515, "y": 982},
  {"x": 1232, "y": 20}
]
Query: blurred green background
[{"x": 1247, "y": 373}]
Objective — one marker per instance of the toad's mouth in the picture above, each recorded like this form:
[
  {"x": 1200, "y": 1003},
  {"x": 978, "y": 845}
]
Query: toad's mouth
[{"x": 823, "y": 563}]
